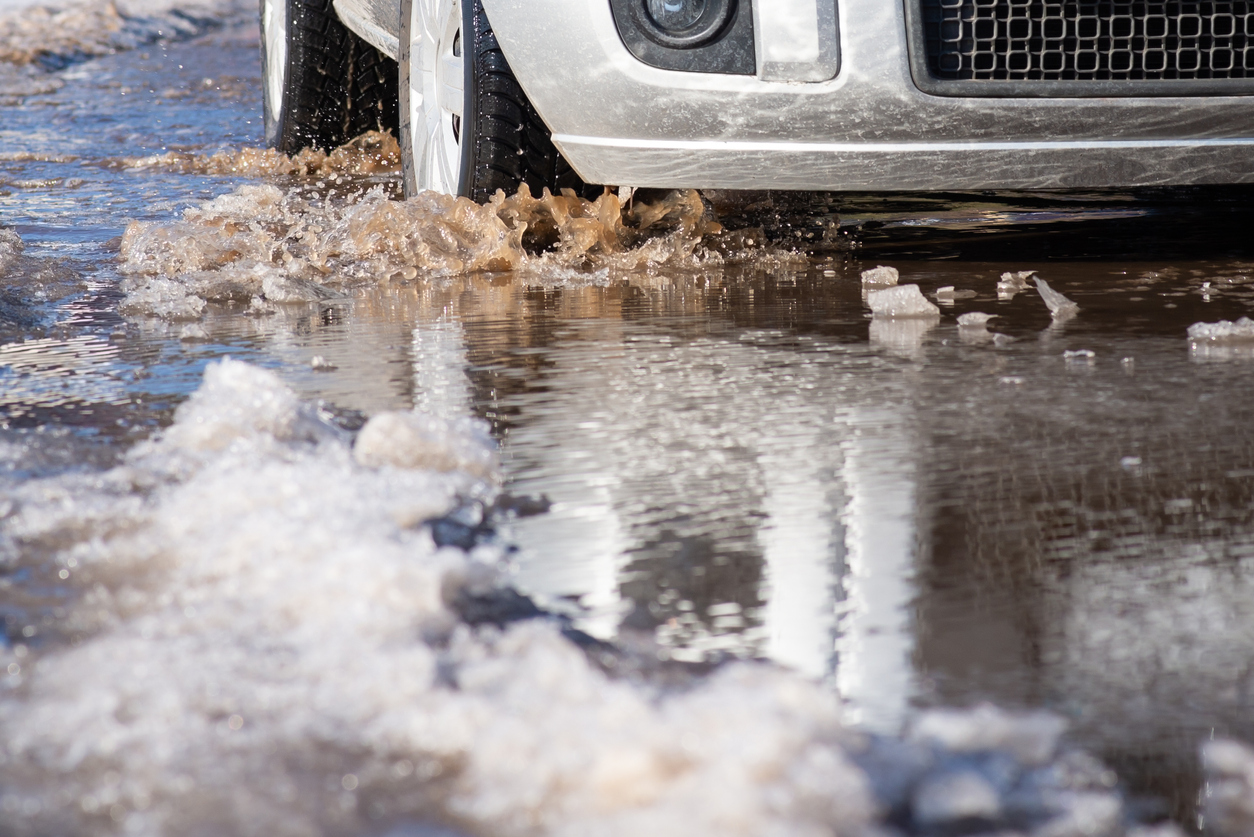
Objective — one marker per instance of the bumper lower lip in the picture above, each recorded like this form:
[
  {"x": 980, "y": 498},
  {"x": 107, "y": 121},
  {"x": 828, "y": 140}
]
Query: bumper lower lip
[{"x": 909, "y": 166}]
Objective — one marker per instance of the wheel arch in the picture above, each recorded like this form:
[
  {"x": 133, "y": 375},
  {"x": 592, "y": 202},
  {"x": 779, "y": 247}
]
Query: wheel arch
[{"x": 378, "y": 22}]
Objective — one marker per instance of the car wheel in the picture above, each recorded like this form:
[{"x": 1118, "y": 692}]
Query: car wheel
[
  {"x": 323, "y": 85},
  {"x": 467, "y": 128}
]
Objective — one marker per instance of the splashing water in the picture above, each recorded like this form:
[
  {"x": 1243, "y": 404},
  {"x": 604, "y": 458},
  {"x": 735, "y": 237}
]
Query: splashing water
[{"x": 269, "y": 245}]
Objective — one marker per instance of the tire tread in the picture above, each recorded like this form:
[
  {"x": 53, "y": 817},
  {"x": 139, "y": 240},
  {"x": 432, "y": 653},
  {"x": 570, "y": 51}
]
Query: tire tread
[
  {"x": 512, "y": 145},
  {"x": 338, "y": 86}
]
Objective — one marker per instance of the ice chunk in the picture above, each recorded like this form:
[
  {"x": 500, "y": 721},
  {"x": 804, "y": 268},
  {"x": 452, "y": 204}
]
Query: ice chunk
[
  {"x": 975, "y": 319},
  {"x": 901, "y": 301},
  {"x": 1031, "y": 736},
  {"x": 1059, "y": 306},
  {"x": 1011, "y": 283},
  {"x": 880, "y": 275},
  {"x": 949, "y": 293},
  {"x": 1224, "y": 331},
  {"x": 1223, "y": 340},
  {"x": 420, "y": 440}
]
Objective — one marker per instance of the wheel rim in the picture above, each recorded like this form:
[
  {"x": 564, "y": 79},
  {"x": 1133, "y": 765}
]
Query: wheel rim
[
  {"x": 436, "y": 94},
  {"x": 274, "y": 44}
]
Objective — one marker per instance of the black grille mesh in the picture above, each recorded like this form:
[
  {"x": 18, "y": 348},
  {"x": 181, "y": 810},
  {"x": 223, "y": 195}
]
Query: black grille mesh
[{"x": 1088, "y": 40}]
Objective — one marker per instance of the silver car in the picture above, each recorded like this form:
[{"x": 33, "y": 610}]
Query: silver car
[{"x": 773, "y": 94}]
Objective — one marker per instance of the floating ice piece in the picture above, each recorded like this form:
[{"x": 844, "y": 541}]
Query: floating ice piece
[
  {"x": 973, "y": 329},
  {"x": 1059, "y": 306},
  {"x": 950, "y": 293},
  {"x": 1223, "y": 331},
  {"x": 320, "y": 364},
  {"x": 1017, "y": 280},
  {"x": 901, "y": 301},
  {"x": 1080, "y": 356},
  {"x": 419, "y": 440},
  {"x": 1011, "y": 283},
  {"x": 880, "y": 275},
  {"x": 1031, "y": 737},
  {"x": 1223, "y": 340}
]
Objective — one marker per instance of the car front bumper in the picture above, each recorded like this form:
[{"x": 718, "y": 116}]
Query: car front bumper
[{"x": 620, "y": 121}]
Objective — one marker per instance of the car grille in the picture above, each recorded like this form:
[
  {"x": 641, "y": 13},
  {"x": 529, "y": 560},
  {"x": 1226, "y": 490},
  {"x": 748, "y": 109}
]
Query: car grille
[{"x": 1087, "y": 40}]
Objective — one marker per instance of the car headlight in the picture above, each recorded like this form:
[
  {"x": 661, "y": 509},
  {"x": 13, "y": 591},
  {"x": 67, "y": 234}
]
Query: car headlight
[{"x": 683, "y": 24}]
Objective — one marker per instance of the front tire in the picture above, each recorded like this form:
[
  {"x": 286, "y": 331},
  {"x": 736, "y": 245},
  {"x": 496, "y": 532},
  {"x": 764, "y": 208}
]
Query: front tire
[
  {"x": 467, "y": 128},
  {"x": 323, "y": 85}
]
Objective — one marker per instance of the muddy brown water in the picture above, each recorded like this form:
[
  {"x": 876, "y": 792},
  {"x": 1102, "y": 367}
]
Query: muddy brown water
[{"x": 738, "y": 462}]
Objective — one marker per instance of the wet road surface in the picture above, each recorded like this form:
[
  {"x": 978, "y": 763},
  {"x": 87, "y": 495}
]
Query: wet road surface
[{"x": 721, "y": 456}]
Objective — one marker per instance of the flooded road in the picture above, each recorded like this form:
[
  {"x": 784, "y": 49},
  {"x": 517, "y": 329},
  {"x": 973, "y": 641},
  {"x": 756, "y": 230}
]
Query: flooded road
[{"x": 263, "y": 595}]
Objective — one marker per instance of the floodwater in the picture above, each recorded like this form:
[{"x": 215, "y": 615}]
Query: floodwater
[{"x": 264, "y": 595}]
